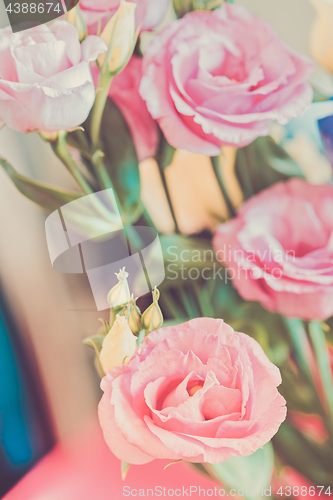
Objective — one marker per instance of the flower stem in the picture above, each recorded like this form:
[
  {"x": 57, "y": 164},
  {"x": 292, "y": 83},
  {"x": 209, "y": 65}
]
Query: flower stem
[
  {"x": 216, "y": 164},
  {"x": 61, "y": 150},
  {"x": 300, "y": 340},
  {"x": 104, "y": 83},
  {"x": 318, "y": 339},
  {"x": 167, "y": 193}
]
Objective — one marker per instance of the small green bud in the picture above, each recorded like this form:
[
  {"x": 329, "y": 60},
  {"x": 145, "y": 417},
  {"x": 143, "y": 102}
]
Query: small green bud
[{"x": 152, "y": 318}]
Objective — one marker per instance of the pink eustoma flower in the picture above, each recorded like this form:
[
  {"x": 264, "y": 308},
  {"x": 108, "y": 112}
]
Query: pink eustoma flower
[
  {"x": 279, "y": 249},
  {"x": 45, "y": 78},
  {"x": 148, "y": 13},
  {"x": 220, "y": 78},
  {"x": 199, "y": 392},
  {"x": 124, "y": 91}
]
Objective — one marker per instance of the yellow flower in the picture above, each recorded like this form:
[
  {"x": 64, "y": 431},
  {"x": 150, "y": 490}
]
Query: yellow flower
[
  {"x": 322, "y": 33},
  {"x": 118, "y": 346},
  {"x": 120, "y": 35}
]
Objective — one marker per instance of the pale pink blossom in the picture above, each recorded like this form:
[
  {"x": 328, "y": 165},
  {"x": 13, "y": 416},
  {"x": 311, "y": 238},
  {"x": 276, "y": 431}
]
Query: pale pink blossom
[
  {"x": 220, "y": 78},
  {"x": 199, "y": 392},
  {"x": 45, "y": 78},
  {"x": 279, "y": 249}
]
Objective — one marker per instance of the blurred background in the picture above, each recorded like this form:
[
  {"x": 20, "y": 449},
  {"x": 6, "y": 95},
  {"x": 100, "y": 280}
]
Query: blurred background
[{"x": 48, "y": 386}]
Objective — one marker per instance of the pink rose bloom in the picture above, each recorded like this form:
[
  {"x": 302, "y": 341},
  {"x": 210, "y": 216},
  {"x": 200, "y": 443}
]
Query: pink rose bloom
[
  {"x": 148, "y": 13},
  {"x": 279, "y": 249},
  {"x": 219, "y": 78},
  {"x": 199, "y": 392},
  {"x": 45, "y": 78},
  {"x": 124, "y": 91}
]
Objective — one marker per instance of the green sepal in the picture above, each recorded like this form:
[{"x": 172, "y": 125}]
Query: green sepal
[
  {"x": 106, "y": 326},
  {"x": 96, "y": 342},
  {"x": 172, "y": 463},
  {"x": 124, "y": 469}
]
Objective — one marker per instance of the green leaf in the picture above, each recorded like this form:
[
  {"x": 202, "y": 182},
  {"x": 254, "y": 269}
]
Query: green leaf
[
  {"x": 262, "y": 164},
  {"x": 48, "y": 197},
  {"x": 306, "y": 456},
  {"x": 120, "y": 158},
  {"x": 252, "y": 473},
  {"x": 183, "y": 252}
]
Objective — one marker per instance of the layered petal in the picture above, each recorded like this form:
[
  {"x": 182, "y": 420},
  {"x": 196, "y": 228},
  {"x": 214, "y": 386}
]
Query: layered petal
[
  {"x": 219, "y": 78},
  {"x": 176, "y": 400},
  {"x": 47, "y": 84},
  {"x": 279, "y": 249}
]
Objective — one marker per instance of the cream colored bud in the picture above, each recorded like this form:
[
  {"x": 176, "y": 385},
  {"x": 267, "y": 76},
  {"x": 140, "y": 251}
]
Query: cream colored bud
[
  {"x": 133, "y": 316},
  {"x": 74, "y": 17},
  {"x": 120, "y": 35},
  {"x": 120, "y": 294},
  {"x": 118, "y": 346},
  {"x": 152, "y": 318}
]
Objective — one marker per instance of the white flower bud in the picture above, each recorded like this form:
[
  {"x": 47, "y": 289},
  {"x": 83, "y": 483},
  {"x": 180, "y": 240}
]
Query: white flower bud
[{"x": 118, "y": 346}]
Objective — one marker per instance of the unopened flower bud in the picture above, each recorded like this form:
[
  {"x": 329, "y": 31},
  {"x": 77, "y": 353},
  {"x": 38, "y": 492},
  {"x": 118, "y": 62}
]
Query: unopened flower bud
[
  {"x": 74, "y": 17},
  {"x": 120, "y": 35},
  {"x": 133, "y": 316},
  {"x": 120, "y": 294},
  {"x": 152, "y": 318},
  {"x": 118, "y": 346}
]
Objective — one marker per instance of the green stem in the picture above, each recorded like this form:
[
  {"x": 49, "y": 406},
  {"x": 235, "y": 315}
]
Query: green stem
[
  {"x": 167, "y": 193},
  {"x": 215, "y": 161},
  {"x": 98, "y": 110},
  {"x": 102, "y": 175},
  {"x": 301, "y": 343},
  {"x": 299, "y": 338},
  {"x": 318, "y": 339},
  {"x": 61, "y": 150}
]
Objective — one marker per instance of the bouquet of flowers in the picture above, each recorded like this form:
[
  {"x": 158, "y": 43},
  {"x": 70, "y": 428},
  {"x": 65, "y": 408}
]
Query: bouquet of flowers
[{"x": 190, "y": 130}]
